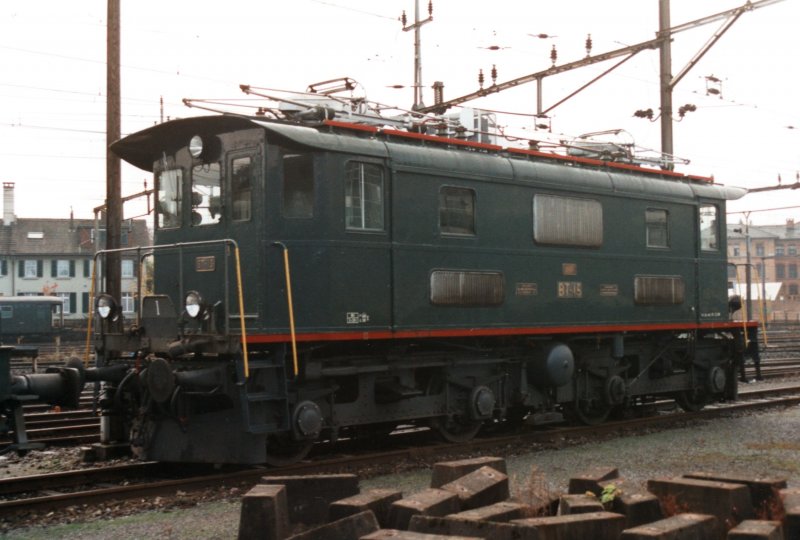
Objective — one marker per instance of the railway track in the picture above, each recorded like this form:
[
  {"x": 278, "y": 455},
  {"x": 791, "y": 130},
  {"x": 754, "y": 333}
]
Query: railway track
[{"x": 43, "y": 493}]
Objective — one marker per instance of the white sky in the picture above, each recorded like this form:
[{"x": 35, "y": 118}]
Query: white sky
[{"x": 52, "y": 77}]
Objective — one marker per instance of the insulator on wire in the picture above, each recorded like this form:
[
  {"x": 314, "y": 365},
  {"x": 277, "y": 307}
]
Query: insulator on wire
[
  {"x": 480, "y": 78},
  {"x": 430, "y": 8},
  {"x": 553, "y": 55},
  {"x": 589, "y": 45},
  {"x": 403, "y": 18},
  {"x": 494, "y": 74}
]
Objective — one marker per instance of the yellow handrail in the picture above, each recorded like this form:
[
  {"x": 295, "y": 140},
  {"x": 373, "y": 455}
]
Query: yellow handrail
[
  {"x": 241, "y": 311},
  {"x": 291, "y": 304},
  {"x": 91, "y": 313}
]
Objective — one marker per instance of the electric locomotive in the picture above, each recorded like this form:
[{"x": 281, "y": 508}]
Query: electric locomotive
[{"x": 316, "y": 275}]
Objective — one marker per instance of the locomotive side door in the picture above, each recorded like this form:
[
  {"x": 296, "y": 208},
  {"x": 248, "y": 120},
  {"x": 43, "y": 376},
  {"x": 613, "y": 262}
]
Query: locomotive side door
[{"x": 711, "y": 267}]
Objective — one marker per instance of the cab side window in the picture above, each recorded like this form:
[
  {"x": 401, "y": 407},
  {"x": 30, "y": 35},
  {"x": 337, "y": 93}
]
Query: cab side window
[
  {"x": 298, "y": 185},
  {"x": 657, "y": 228},
  {"x": 242, "y": 173},
  {"x": 363, "y": 197},
  {"x": 709, "y": 225}
]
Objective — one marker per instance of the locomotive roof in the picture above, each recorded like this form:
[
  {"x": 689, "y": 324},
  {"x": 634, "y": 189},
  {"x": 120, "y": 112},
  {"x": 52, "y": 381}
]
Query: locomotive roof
[{"x": 144, "y": 148}]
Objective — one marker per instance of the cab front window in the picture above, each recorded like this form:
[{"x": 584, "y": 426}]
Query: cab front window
[
  {"x": 206, "y": 194},
  {"x": 169, "y": 198}
]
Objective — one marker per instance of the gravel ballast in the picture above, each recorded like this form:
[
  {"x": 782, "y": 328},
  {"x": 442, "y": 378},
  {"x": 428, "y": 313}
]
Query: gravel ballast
[{"x": 765, "y": 444}]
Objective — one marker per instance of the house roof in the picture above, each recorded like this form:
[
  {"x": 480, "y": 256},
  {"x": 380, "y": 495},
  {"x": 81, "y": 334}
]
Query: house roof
[{"x": 40, "y": 236}]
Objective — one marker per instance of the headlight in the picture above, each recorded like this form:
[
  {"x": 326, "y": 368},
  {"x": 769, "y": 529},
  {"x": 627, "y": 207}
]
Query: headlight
[
  {"x": 106, "y": 306},
  {"x": 194, "y": 304},
  {"x": 196, "y": 146}
]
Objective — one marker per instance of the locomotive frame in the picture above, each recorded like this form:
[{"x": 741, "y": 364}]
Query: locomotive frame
[{"x": 340, "y": 278}]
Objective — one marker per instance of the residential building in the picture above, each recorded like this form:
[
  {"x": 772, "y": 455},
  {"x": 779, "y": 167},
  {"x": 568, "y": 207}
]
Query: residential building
[
  {"x": 775, "y": 266},
  {"x": 46, "y": 256}
]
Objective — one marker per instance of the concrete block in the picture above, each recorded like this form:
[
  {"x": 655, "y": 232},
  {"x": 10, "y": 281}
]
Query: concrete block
[
  {"x": 481, "y": 487},
  {"x": 752, "y": 529},
  {"x": 791, "y": 507},
  {"x": 578, "y": 504},
  {"x": 348, "y": 528},
  {"x": 377, "y": 500},
  {"x": 467, "y": 527},
  {"x": 763, "y": 491},
  {"x": 590, "y": 479},
  {"x": 394, "y": 534},
  {"x": 310, "y": 495},
  {"x": 501, "y": 512},
  {"x": 264, "y": 514},
  {"x": 594, "y": 525},
  {"x": 447, "y": 471},
  {"x": 729, "y": 503},
  {"x": 638, "y": 508},
  {"x": 429, "y": 502},
  {"x": 681, "y": 526}
]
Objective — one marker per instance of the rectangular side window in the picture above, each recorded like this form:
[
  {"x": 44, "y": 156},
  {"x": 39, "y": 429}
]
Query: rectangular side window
[
  {"x": 363, "y": 197},
  {"x": 168, "y": 206},
  {"x": 567, "y": 221},
  {"x": 457, "y": 210},
  {"x": 298, "y": 186},
  {"x": 206, "y": 194},
  {"x": 657, "y": 228},
  {"x": 709, "y": 224}
]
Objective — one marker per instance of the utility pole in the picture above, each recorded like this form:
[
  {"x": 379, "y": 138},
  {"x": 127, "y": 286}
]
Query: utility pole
[
  {"x": 417, "y": 49},
  {"x": 113, "y": 168},
  {"x": 665, "y": 86}
]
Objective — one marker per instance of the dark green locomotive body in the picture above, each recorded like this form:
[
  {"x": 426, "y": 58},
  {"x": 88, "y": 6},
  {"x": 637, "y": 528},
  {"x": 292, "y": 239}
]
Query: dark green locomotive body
[{"x": 345, "y": 276}]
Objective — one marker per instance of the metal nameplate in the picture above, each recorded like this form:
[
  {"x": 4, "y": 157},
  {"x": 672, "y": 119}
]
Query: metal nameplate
[{"x": 205, "y": 264}]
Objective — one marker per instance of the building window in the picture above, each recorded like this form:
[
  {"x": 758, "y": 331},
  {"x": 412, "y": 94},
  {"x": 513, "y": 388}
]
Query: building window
[
  {"x": 792, "y": 250},
  {"x": 793, "y": 289},
  {"x": 127, "y": 268},
  {"x": 567, "y": 221},
  {"x": 298, "y": 186},
  {"x": 657, "y": 228},
  {"x": 759, "y": 250},
  {"x": 206, "y": 194},
  {"x": 127, "y": 303},
  {"x": 363, "y": 196},
  {"x": 780, "y": 271},
  {"x": 457, "y": 210},
  {"x": 168, "y": 206},
  {"x": 709, "y": 236},
  {"x": 736, "y": 252},
  {"x": 63, "y": 269},
  {"x": 31, "y": 269},
  {"x": 67, "y": 305},
  {"x": 4, "y": 267},
  {"x": 793, "y": 271},
  {"x": 242, "y": 173},
  {"x": 779, "y": 251}
]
